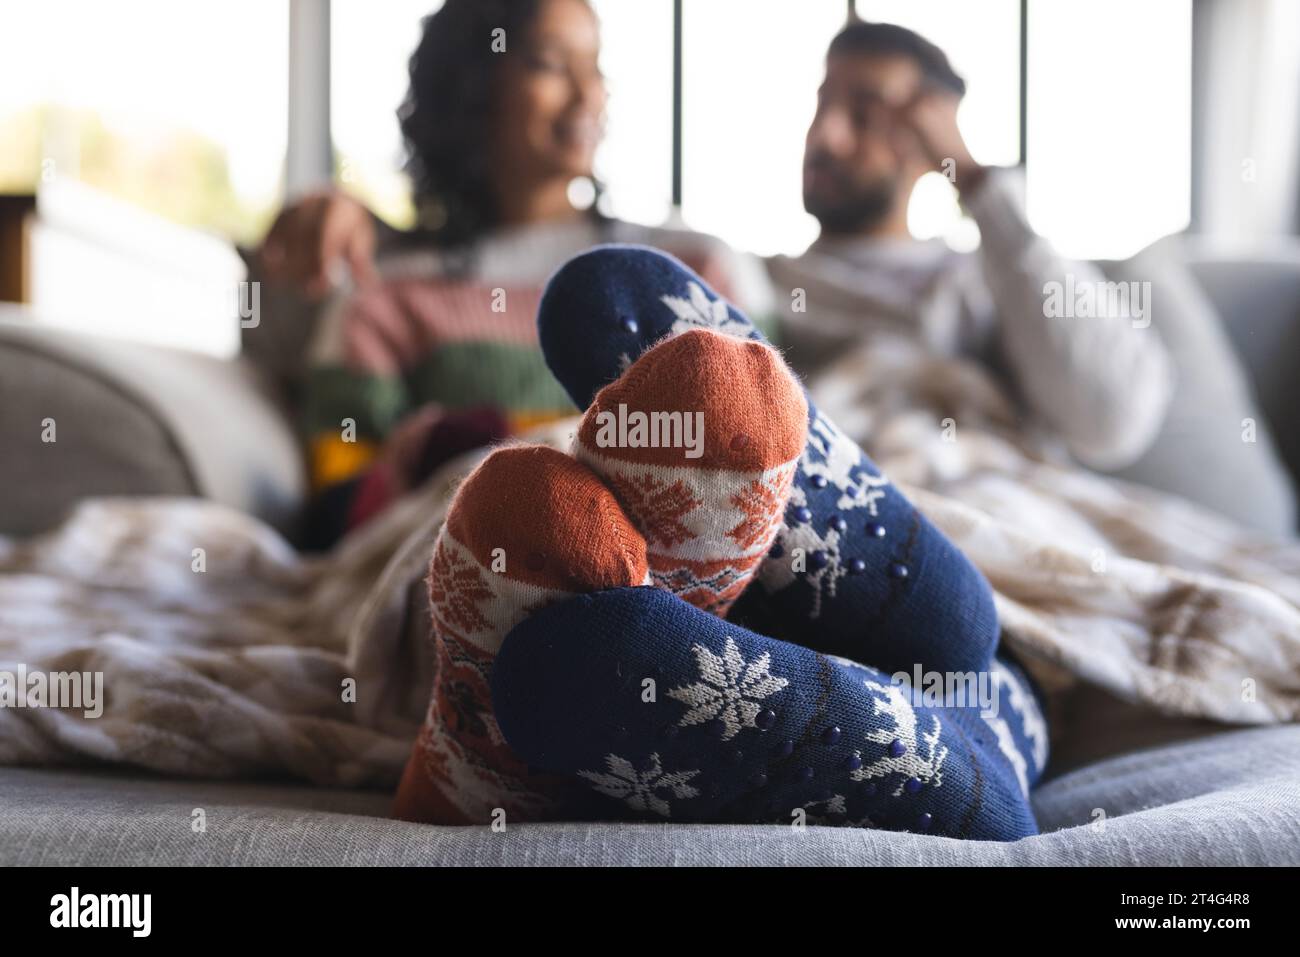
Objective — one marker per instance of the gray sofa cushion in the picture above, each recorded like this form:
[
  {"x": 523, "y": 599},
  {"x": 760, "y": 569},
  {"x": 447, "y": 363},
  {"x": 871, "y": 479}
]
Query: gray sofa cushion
[
  {"x": 134, "y": 419},
  {"x": 1199, "y": 453},
  {"x": 1259, "y": 296},
  {"x": 107, "y": 441},
  {"x": 1230, "y": 798}
]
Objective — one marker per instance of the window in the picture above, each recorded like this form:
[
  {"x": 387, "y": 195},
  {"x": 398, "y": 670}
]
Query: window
[
  {"x": 635, "y": 162},
  {"x": 153, "y": 132},
  {"x": 180, "y": 109},
  {"x": 1108, "y": 112},
  {"x": 370, "y": 44},
  {"x": 177, "y": 108},
  {"x": 1109, "y": 152},
  {"x": 750, "y": 75}
]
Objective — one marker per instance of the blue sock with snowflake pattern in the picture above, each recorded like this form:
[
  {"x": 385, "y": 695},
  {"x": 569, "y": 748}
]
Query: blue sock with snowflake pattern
[
  {"x": 675, "y": 714},
  {"x": 855, "y": 570}
]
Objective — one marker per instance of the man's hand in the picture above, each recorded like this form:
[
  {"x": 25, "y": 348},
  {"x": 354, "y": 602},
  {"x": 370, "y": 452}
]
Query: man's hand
[
  {"x": 928, "y": 125},
  {"x": 311, "y": 237}
]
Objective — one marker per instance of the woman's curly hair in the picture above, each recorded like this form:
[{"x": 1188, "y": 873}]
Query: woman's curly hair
[{"x": 447, "y": 115}]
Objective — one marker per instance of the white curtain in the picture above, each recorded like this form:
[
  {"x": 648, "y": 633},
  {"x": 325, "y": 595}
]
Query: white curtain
[{"x": 1249, "y": 81}]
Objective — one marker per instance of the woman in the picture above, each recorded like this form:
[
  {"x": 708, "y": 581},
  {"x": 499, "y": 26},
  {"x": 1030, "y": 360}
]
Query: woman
[{"x": 437, "y": 348}]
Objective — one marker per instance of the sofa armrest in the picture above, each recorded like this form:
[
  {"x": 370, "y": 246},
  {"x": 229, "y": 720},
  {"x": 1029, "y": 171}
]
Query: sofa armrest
[
  {"x": 1221, "y": 383},
  {"x": 84, "y": 416},
  {"x": 1258, "y": 294}
]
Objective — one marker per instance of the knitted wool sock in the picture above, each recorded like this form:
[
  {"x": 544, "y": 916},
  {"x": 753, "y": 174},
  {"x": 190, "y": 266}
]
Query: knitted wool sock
[
  {"x": 855, "y": 570},
  {"x": 681, "y": 715},
  {"x": 699, "y": 440},
  {"x": 529, "y": 526}
]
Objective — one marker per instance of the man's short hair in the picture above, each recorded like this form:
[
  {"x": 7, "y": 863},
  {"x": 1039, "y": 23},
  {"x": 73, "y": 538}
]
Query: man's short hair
[{"x": 889, "y": 39}]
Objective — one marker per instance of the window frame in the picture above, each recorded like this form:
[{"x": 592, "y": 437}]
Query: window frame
[{"x": 308, "y": 163}]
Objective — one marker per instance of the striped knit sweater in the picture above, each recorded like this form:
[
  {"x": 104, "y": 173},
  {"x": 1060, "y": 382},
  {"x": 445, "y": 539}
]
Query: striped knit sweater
[{"x": 430, "y": 342}]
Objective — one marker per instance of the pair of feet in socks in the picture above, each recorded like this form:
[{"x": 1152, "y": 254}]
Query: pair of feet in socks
[{"x": 583, "y": 668}]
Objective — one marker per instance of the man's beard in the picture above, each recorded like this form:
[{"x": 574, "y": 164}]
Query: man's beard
[{"x": 857, "y": 208}]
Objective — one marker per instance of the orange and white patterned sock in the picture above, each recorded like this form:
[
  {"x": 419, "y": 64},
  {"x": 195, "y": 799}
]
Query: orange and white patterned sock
[
  {"x": 528, "y": 527},
  {"x": 699, "y": 440}
]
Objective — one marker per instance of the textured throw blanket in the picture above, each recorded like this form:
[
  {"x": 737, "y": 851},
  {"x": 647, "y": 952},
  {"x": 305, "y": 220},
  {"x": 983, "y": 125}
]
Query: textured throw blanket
[{"x": 223, "y": 653}]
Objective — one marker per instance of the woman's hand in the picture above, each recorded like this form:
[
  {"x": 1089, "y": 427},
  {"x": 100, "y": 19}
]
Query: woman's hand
[{"x": 313, "y": 237}]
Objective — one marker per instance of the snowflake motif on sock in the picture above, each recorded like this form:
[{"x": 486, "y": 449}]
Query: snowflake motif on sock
[
  {"x": 1031, "y": 723},
  {"x": 638, "y": 789},
  {"x": 831, "y": 456},
  {"x": 823, "y": 580},
  {"x": 456, "y": 589},
  {"x": 1021, "y": 701},
  {"x": 729, "y": 689},
  {"x": 840, "y": 462},
  {"x": 835, "y": 804},
  {"x": 917, "y": 757},
  {"x": 658, "y": 507},
  {"x": 1007, "y": 746},
  {"x": 762, "y": 502},
  {"x": 834, "y": 811},
  {"x": 698, "y": 311}
]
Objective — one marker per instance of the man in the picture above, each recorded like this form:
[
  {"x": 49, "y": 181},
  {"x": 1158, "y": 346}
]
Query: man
[{"x": 886, "y": 116}]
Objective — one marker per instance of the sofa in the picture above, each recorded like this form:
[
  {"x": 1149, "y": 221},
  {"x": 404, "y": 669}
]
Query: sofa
[{"x": 1124, "y": 786}]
